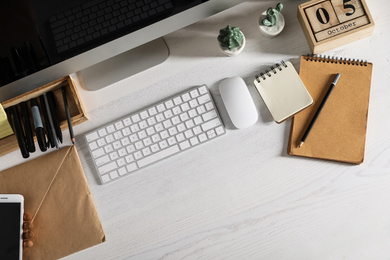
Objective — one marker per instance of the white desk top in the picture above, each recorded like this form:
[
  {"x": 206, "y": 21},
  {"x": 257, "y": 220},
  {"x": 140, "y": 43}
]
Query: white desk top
[{"x": 242, "y": 196}]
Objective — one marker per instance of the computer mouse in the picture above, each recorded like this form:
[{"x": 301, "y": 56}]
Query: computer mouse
[{"x": 238, "y": 102}]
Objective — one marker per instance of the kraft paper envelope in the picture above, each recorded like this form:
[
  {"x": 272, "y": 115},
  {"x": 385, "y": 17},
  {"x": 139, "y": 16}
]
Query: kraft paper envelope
[{"x": 57, "y": 197}]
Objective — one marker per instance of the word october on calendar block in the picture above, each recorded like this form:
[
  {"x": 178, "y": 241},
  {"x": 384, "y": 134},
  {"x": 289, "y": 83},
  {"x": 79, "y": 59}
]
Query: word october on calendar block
[{"x": 328, "y": 24}]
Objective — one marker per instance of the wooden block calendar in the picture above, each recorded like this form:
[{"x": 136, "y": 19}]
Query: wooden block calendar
[{"x": 328, "y": 24}]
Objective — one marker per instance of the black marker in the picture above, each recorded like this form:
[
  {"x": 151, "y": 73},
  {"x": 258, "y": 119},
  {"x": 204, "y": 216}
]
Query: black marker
[
  {"x": 27, "y": 127},
  {"x": 52, "y": 128},
  {"x": 39, "y": 130},
  {"x": 53, "y": 113},
  {"x": 49, "y": 134},
  {"x": 15, "y": 122}
]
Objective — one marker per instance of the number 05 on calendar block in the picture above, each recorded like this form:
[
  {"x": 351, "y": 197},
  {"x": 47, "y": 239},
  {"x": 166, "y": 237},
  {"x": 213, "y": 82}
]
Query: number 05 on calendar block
[{"x": 328, "y": 24}]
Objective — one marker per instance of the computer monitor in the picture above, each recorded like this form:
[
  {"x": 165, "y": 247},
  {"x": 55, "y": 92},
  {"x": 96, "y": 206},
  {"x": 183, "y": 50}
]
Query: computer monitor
[{"x": 97, "y": 66}]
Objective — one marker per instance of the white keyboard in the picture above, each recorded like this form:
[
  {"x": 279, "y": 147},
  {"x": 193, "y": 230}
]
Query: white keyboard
[{"x": 154, "y": 133}]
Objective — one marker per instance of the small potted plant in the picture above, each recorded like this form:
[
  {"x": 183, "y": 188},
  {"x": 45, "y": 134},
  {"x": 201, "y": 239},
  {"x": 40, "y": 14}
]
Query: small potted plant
[
  {"x": 271, "y": 22},
  {"x": 231, "y": 40}
]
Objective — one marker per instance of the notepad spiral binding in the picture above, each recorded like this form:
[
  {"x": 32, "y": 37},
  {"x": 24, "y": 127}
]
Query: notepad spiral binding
[
  {"x": 273, "y": 69},
  {"x": 333, "y": 59}
]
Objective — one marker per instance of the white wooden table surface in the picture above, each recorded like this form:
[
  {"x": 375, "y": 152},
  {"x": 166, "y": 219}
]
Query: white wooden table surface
[{"x": 241, "y": 196}]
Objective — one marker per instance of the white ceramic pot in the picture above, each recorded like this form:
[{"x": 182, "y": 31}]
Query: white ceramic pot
[
  {"x": 235, "y": 51},
  {"x": 273, "y": 31}
]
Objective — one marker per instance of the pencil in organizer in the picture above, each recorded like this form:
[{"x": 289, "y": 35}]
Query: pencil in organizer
[{"x": 319, "y": 109}]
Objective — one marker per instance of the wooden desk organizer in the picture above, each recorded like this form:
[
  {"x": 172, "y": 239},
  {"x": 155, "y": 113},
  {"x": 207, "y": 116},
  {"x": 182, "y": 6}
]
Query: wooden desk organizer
[
  {"x": 328, "y": 24},
  {"x": 76, "y": 109}
]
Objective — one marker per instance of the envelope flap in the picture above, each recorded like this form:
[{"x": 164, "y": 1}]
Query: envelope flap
[{"x": 31, "y": 179}]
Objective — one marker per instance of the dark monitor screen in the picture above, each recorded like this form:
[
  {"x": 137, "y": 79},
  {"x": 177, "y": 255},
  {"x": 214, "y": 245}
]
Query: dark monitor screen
[
  {"x": 44, "y": 40},
  {"x": 39, "y": 33}
]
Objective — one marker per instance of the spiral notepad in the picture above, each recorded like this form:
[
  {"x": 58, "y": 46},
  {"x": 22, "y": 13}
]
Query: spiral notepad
[
  {"x": 339, "y": 133},
  {"x": 282, "y": 91}
]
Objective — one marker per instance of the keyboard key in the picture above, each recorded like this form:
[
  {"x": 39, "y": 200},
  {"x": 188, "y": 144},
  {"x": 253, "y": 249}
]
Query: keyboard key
[
  {"x": 102, "y": 160},
  {"x": 93, "y": 145},
  {"x": 101, "y": 142},
  {"x": 184, "y": 145},
  {"x": 110, "y": 129},
  {"x": 209, "y": 106},
  {"x": 114, "y": 174},
  {"x": 102, "y": 132},
  {"x": 152, "y": 111},
  {"x": 138, "y": 155},
  {"x": 118, "y": 135},
  {"x": 105, "y": 178},
  {"x": 177, "y": 100},
  {"x": 151, "y": 121},
  {"x": 186, "y": 97},
  {"x": 119, "y": 125},
  {"x": 121, "y": 162},
  {"x": 127, "y": 121},
  {"x": 144, "y": 114},
  {"x": 130, "y": 149},
  {"x": 122, "y": 171},
  {"x": 220, "y": 130},
  {"x": 110, "y": 138},
  {"x": 202, "y": 137},
  {"x": 211, "y": 133},
  {"x": 135, "y": 118},
  {"x": 203, "y": 99},
  {"x": 97, "y": 153},
  {"x": 126, "y": 131},
  {"x": 114, "y": 156},
  {"x": 108, "y": 148},
  {"x": 92, "y": 136},
  {"x": 107, "y": 168},
  {"x": 160, "y": 108},
  {"x": 209, "y": 115},
  {"x": 158, "y": 156},
  {"x": 194, "y": 93},
  {"x": 169, "y": 104},
  {"x": 211, "y": 124},
  {"x": 194, "y": 141},
  {"x": 131, "y": 167},
  {"x": 129, "y": 158}
]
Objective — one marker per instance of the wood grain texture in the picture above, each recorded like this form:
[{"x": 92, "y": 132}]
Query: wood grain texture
[
  {"x": 333, "y": 23},
  {"x": 76, "y": 108},
  {"x": 242, "y": 196}
]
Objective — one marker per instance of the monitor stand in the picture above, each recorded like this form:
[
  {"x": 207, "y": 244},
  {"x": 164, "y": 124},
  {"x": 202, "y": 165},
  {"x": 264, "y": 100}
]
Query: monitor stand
[{"x": 124, "y": 65}]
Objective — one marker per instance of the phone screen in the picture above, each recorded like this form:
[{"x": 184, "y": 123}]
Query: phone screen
[{"x": 10, "y": 230}]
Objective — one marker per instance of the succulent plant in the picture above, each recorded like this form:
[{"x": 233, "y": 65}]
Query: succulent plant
[
  {"x": 230, "y": 37},
  {"x": 272, "y": 15}
]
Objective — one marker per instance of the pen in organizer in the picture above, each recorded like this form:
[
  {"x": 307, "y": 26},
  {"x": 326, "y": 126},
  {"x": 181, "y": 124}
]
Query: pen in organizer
[
  {"x": 48, "y": 126},
  {"x": 319, "y": 109},
  {"x": 39, "y": 130},
  {"x": 49, "y": 115},
  {"x": 15, "y": 122},
  {"x": 52, "y": 104},
  {"x": 68, "y": 115},
  {"x": 25, "y": 118}
]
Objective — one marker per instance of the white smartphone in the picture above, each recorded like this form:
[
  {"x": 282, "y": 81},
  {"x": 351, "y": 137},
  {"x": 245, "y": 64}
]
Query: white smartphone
[{"x": 11, "y": 226}]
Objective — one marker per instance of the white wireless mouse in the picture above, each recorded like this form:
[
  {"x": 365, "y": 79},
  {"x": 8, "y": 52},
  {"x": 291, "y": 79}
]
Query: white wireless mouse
[{"x": 238, "y": 102}]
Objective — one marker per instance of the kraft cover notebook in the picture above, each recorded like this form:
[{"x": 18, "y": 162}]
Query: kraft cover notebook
[
  {"x": 57, "y": 198},
  {"x": 282, "y": 91},
  {"x": 339, "y": 133}
]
